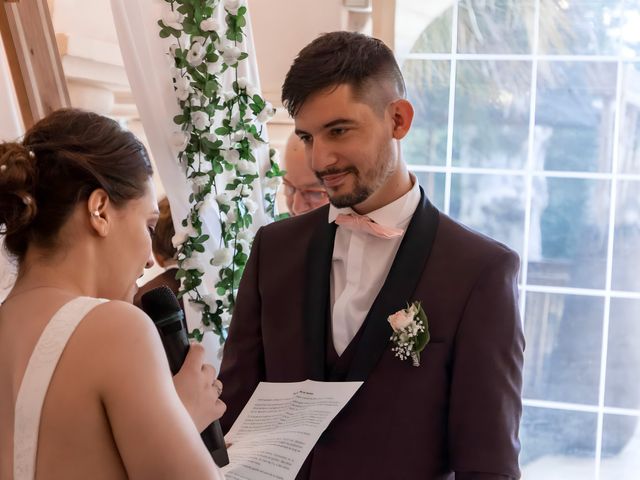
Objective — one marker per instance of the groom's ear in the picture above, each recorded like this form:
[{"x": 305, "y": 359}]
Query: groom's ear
[
  {"x": 98, "y": 212},
  {"x": 401, "y": 112}
]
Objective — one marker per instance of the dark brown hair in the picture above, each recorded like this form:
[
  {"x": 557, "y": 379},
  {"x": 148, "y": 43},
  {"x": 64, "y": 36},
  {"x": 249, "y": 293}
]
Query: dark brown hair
[
  {"x": 338, "y": 58},
  {"x": 161, "y": 243},
  {"x": 61, "y": 160}
]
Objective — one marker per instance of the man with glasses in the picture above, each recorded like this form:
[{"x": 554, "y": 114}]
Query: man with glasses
[{"x": 302, "y": 189}]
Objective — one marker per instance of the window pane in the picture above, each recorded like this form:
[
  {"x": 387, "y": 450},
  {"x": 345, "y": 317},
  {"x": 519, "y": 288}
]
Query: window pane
[
  {"x": 585, "y": 27},
  {"x": 569, "y": 232},
  {"x": 557, "y": 444},
  {"x": 483, "y": 26},
  {"x": 491, "y": 204},
  {"x": 626, "y": 244},
  {"x": 564, "y": 347},
  {"x": 620, "y": 440},
  {"x": 433, "y": 185},
  {"x": 575, "y": 106},
  {"x": 428, "y": 91},
  {"x": 629, "y": 31},
  {"x": 623, "y": 355},
  {"x": 629, "y": 144},
  {"x": 436, "y": 37},
  {"x": 491, "y": 120}
]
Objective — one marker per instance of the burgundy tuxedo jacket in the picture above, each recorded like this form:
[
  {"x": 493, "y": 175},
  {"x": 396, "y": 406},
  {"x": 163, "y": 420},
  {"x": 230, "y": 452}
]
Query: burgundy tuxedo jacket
[{"x": 455, "y": 416}]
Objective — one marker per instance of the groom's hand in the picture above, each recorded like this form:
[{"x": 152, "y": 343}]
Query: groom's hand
[{"x": 199, "y": 389}]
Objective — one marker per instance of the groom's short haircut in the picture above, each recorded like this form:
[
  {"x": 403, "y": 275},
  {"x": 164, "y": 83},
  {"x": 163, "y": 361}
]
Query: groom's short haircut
[{"x": 337, "y": 58}]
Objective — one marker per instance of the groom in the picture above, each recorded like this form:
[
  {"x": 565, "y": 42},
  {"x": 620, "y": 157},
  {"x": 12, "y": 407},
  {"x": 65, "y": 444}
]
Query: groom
[{"x": 318, "y": 289}]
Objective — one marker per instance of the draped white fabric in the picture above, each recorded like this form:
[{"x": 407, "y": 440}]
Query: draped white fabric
[
  {"x": 148, "y": 69},
  {"x": 11, "y": 129}
]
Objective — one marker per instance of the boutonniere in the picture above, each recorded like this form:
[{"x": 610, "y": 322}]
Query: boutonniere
[{"x": 410, "y": 332}]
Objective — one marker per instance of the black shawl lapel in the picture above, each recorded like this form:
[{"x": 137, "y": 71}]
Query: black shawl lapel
[
  {"x": 316, "y": 301},
  {"x": 398, "y": 288}
]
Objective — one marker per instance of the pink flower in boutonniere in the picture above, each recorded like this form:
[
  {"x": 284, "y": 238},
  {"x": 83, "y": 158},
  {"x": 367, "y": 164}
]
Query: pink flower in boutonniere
[{"x": 410, "y": 332}]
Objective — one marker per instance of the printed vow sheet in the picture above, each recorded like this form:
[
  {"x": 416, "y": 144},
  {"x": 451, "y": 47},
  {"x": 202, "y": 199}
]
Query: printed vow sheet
[{"x": 280, "y": 425}]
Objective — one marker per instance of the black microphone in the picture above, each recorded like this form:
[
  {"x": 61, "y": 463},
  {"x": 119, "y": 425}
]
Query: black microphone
[{"x": 162, "y": 306}]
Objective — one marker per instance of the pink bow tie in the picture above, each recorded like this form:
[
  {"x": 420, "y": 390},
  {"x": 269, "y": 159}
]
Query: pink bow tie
[{"x": 361, "y": 223}]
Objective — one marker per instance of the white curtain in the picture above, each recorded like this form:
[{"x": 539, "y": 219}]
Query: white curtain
[
  {"x": 11, "y": 129},
  {"x": 148, "y": 69}
]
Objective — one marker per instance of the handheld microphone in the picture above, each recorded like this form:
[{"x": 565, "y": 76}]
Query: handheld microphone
[{"x": 163, "y": 308}]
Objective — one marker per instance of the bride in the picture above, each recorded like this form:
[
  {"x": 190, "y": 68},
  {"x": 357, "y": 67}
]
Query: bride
[{"x": 85, "y": 387}]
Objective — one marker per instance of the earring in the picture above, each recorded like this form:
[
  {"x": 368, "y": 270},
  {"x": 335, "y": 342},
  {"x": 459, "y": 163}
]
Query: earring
[{"x": 95, "y": 213}]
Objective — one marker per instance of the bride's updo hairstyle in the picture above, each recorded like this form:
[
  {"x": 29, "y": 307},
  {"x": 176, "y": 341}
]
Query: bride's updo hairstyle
[{"x": 61, "y": 160}]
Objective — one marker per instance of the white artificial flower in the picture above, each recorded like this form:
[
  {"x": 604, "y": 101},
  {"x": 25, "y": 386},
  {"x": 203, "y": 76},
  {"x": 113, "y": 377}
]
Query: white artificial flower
[
  {"x": 183, "y": 87},
  {"x": 230, "y": 54},
  {"x": 200, "y": 180},
  {"x": 211, "y": 137},
  {"x": 210, "y": 25},
  {"x": 252, "y": 91},
  {"x": 214, "y": 68},
  {"x": 176, "y": 73},
  {"x": 179, "y": 238},
  {"x": 197, "y": 261},
  {"x": 173, "y": 19},
  {"x": 241, "y": 191},
  {"x": 232, "y": 6},
  {"x": 183, "y": 94},
  {"x": 231, "y": 215},
  {"x": 246, "y": 247},
  {"x": 251, "y": 205},
  {"x": 224, "y": 198},
  {"x": 245, "y": 167},
  {"x": 228, "y": 95},
  {"x": 231, "y": 155},
  {"x": 272, "y": 183},
  {"x": 237, "y": 136},
  {"x": 243, "y": 82},
  {"x": 200, "y": 120},
  {"x": 266, "y": 113},
  {"x": 204, "y": 101},
  {"x": 209, "y": 204},
  {"x": 196, "y": 54},
  {"x": 201, "y": 40},
  {"x": 222, "y": 257},
  {"x": 245, "y": 236},
  {"x": 210, "y": 300},
  {"x": 253, "y": 141},
  {"x": 180, "y": 140},
  {"x": 183, "y": 82},
  {"x": 173, "y": 48},
  {"x": 195, "y": 101}
]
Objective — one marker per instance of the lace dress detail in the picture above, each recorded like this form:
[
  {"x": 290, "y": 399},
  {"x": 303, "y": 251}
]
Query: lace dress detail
[{"x": 35, "y": 383}]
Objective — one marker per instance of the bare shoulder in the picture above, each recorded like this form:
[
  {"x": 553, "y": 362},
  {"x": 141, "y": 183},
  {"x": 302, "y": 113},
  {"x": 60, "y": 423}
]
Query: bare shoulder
[
  {"x": 117, "y": 318},
  {"x": 117, "y": 336}
]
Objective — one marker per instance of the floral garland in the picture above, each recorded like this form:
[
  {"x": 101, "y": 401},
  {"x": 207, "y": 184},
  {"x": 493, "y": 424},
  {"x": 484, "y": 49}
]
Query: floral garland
[{"x": 219, "y": 130}]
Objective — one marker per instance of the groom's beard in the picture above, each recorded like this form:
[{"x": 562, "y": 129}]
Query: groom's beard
[{"x": 364, "y": 185}]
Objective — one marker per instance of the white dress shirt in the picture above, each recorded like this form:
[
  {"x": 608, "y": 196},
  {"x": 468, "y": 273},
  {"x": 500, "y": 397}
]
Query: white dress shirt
[{"x": 360, "y": 265}]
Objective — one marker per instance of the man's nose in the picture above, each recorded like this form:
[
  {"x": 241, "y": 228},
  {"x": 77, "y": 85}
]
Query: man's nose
[{"x": 321, "y": 155}]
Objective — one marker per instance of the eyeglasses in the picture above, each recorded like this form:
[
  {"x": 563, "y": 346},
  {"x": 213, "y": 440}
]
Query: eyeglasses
[{"x": 309, "y": 194}]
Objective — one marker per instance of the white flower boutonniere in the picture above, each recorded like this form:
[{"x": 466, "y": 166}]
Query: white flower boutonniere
[{"x": 410, "y": 332}]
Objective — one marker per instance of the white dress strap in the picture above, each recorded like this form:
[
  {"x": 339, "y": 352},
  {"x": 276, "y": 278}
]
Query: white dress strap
[{"x": 36, "y": 380}]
